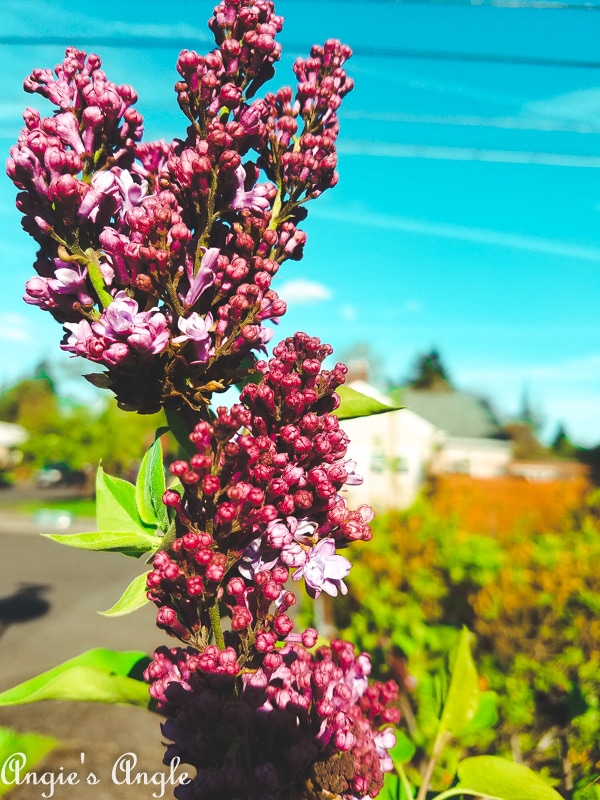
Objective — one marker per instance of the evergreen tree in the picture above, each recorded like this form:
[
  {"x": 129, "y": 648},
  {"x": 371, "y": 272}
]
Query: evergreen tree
[{"x": 430, "y": 374}]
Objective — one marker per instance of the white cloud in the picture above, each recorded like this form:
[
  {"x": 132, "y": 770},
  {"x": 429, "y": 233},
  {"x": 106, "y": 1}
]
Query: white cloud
[
  {"x": 448, "y": 230},
  {"x": 14, "y": 327},
  {"x": 581, "y": 106},
  {"x": 349, "y": 313},
  {"x": 303, "y": 291}
]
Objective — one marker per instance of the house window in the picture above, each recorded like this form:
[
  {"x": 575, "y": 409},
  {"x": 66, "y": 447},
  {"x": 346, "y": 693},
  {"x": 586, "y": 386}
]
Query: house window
[
  {"x": 461, "y": 466},
  {"x": 378, "y": 463},
  {"x": 399, "y": 465}
]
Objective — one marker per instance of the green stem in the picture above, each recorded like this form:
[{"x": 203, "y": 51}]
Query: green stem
[
  {"x": 215, "y": 620},
  {"x": 211, "y": 216},
  {"x": 96, "y": 278},
  {"x": 172, "y": 292},
  {"x": 277, "y": 205},
  {"x": 458, "y": 792},
  {"x": 441, "y": 741},
  {"x": 408, "y": 789}
]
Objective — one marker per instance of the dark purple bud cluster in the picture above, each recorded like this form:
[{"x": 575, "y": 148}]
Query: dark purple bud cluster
[
  {"x": 187, "y": 231},
  {"x": 307, "y": 160},
  {"x": 311, "y": 721},
  {"x": 245, "y": 34},
  {"x": 260, "y": 497}
]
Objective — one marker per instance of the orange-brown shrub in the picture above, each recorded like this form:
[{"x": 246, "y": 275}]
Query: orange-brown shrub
[{"x": 495, "y": 506}]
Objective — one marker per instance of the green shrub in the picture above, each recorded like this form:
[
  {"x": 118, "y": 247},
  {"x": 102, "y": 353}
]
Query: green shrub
[{"x": 532, "y": 601}]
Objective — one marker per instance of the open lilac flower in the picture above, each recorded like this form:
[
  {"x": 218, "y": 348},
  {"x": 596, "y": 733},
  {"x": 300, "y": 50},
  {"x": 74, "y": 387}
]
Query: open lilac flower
[
  {"x": 353, "y": 479},
  {"x": 197, "y": 330},
  {"x": 256, "y": 199},
  {"x": 254, "y": 560},
  {"x": 118, "y": 318},
  {"x": 150, "y": 333},
  {"x": 324, "y": 570},
  {"x": 68, "y": 279},
  {"x": 114, "y": 189},
  {"x": 82, "y": 341},
  {"x": 384, "y": 741}
]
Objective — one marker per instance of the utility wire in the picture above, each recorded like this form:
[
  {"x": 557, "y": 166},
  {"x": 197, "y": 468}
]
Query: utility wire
[
  {"x": 542, "y": 5},
  {"x": 513, "y": 123},
  {"x": 444, "y": 153},
  {"x": 160, "y": 43}
]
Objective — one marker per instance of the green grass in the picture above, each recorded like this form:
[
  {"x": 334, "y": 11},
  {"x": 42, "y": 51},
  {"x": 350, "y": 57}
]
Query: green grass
[{"x": 77, "y": 506}]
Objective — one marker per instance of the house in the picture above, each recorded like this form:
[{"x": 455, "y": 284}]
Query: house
[
  {"x": 471, "y": 440},
  {"x": 391, "y": 451},
  {"x": 11, "y": 436},
  {"x": 436, "y": 433}
]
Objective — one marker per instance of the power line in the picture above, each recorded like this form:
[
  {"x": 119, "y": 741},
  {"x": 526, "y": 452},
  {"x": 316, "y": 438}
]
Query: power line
[
  {"x": 462, "y": 120},
  {"x": 542, "y": 5},
  {"x": 481, "y": 58},
  {"x": 444, "y": 153},
  {"x": 160, "y": 43}
]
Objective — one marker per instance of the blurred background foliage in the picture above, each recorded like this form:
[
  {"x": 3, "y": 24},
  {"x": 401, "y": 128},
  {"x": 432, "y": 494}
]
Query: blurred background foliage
[
  {"x": 530, "y": 595},
  {"x": 74, "y": 433}
]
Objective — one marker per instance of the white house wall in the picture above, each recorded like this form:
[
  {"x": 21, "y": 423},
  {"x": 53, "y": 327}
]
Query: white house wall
[{"x": 392, "y": 452}]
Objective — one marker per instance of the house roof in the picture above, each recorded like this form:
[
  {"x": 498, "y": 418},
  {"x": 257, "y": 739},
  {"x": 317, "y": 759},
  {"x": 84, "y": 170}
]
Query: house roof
[{"x": 456, "y": 413}]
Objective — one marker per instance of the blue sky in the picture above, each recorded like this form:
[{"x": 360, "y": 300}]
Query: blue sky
[{"x": 467, "y": 216}]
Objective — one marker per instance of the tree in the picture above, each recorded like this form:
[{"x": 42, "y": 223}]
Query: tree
[
  {"x": 562, "y": 445},
  {"x": 72, "y": 433},
  {"x": 430, "y": 374},
  {"x": 525, "y": 444}
]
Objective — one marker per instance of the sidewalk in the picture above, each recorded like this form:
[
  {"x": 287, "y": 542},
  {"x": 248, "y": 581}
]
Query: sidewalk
[{"x": 75, "y": 584}]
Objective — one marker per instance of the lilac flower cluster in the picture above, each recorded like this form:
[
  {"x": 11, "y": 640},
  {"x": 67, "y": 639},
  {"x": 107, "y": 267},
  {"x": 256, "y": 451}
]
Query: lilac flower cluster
[
  {"x": 182, "y": 238},
  {"x": 261, "y": 497},
  {"x": 158, "y": 261},
  {"x": 299, "y": 725}
]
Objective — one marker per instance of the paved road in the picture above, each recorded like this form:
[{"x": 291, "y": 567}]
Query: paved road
[{"x": 75, "y": 585}]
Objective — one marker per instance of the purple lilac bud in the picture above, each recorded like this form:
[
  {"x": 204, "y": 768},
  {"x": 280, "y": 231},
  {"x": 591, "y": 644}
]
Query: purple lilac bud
[{"x": 204, "y": 278}]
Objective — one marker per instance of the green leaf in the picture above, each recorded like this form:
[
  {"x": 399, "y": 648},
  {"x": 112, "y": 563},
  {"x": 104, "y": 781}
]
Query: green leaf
[
  {"x": 133, "y": 597},
  {"x": 462, "y": 699},
  {"x": 403, "y": 750},
  {"x": 22, "y": 751},
  {"x": 498, "y": 777},
  {"x": 98, "y": 676},
  {"x": 131, "y": 543},
  {"x": 392, "y": 788},
  {"x": 150, "y": 487},
  {"x": 355, "y": 404},
  {"x": 116, "y": 507},
  {"x": 486, "y": 715}
]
